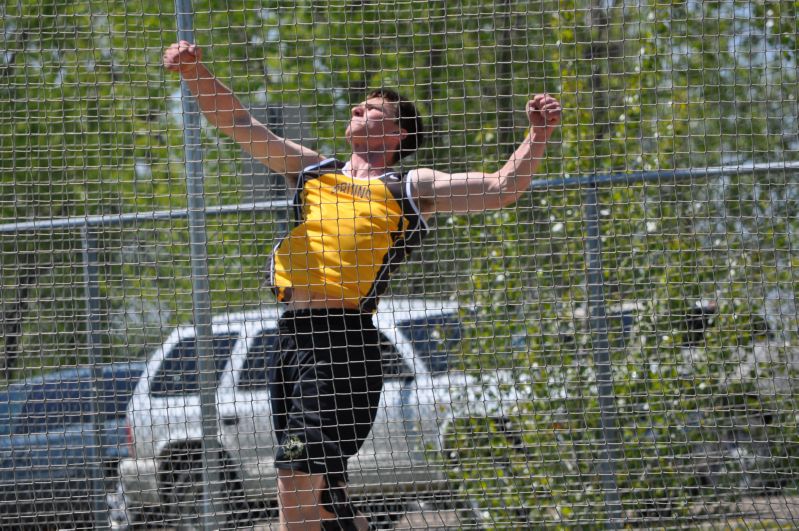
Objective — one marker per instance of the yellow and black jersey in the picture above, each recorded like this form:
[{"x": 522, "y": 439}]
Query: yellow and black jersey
[{"x": 349, "y": 235}]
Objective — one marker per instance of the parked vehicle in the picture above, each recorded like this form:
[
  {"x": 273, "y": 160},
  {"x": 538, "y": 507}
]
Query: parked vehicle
[
  {"x": 49, "y": 443},
  {"x": 420, "y": 396}
]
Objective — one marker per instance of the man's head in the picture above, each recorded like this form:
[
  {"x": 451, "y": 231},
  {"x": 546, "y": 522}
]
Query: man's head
[{"x": 387, "y": 117}]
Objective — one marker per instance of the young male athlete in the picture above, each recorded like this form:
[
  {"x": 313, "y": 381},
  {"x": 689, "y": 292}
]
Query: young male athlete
[{"x": 355, "y": 222}]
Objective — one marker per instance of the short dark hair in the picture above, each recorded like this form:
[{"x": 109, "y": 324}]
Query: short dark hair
[{"x": 408, "y": 119}]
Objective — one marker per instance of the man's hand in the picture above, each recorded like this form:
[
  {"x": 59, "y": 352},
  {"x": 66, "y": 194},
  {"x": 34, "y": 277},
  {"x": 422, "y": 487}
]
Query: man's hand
[
  {"x": 182, "y": 57},
  {"x": 544, "y": 113}
]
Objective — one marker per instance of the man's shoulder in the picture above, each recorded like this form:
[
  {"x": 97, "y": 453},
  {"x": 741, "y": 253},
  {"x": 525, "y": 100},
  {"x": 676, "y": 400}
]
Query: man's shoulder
[
  {"x": 316, "y": 169},
  {"x": 325, "y": 164},
  {"x": 423, "y": 180},
  {"x": 419, "y": 183},
  {"x": 423, "y": 174}
]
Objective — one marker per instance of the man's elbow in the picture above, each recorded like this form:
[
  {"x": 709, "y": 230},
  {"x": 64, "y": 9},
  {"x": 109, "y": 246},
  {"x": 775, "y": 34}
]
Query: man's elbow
[
  {"x": 491, "y": 201},
  {"x": 509, "y": 200},
  {"x": 507, "y": 193},
  {"x": 503, "y": 200}
]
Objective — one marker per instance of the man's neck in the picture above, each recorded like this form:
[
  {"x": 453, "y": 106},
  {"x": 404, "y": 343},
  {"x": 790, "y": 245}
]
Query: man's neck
[{"x": 364, "y": 166}]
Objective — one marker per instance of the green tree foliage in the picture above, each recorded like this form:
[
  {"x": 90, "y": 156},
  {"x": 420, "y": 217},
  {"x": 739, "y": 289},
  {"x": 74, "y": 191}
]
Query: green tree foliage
[
  {"x": 692, "y": 420},
  {"x": 78, "y": 123}
]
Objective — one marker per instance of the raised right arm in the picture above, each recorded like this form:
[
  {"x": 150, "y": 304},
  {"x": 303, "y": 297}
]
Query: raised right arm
[{"x": 223, "y": 110}]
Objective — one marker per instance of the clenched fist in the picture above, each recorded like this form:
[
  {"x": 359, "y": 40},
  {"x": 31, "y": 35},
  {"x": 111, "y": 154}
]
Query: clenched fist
[
  {"x": 544, "y": 113},
  {"x": 182, "y": 57}
]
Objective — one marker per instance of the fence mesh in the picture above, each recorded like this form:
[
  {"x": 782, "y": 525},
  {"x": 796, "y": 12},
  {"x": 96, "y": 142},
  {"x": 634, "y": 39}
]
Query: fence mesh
[{"x": 616, "y": 348}]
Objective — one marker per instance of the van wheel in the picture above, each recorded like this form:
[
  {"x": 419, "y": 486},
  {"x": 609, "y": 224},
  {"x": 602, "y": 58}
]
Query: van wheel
[{"x": 183, "y": 492}]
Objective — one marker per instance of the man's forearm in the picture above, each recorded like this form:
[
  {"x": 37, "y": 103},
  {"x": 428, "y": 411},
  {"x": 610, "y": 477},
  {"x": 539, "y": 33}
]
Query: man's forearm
[
  {"x": 517, "y": 173},
  {"x": 216, "y": 101}
]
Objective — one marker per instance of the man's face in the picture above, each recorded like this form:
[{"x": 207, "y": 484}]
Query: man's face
[{"x": 374, "y": 122}]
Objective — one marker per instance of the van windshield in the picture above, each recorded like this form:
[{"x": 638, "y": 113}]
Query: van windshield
[{"x": 260, "y": 358}]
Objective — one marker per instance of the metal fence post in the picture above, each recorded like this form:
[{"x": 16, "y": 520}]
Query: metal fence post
[
  {"x": 93, "y": 342},
  {"x": 601, "y": 354},
  {"x": 201, "y": 290}
]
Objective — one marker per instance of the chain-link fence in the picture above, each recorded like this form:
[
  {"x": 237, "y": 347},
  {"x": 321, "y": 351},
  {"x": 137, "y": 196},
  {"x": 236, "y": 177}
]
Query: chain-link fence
[{"x": 616, "y": 347}]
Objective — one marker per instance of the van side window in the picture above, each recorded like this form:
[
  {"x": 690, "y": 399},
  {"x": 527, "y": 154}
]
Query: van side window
[
  {"x": 179, "y": 374},
  {"x": 54, "y": 405}
]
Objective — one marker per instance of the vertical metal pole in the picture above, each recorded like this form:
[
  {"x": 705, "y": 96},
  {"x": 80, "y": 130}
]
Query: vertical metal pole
[
  {"x": 94, "y": 451},
  {"x": 201, "y": 291},
  {"x": 601, "y": 353},
  {"x": 503, "y": 10}
]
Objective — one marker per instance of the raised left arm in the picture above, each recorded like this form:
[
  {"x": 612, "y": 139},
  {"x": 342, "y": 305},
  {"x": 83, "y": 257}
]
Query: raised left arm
[{"x": 467, "y": 192}]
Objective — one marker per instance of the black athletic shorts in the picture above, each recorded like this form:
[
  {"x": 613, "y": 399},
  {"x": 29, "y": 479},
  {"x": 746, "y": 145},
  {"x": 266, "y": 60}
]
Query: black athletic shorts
[{"x": 325, "y": 388}]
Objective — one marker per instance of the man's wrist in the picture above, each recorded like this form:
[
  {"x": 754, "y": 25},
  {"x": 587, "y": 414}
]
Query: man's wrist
[
  {"x": 190, "y": 71},
  {"x": 538, "y": 136}
]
